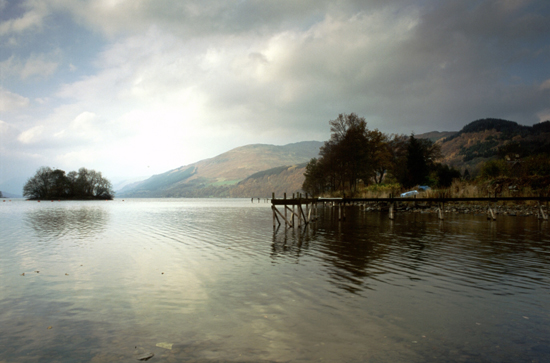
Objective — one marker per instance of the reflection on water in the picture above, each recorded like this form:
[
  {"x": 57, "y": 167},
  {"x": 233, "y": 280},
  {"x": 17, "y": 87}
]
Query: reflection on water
[
  {"x": 80, "y": 222},
  {"x": 212, "y": 280},
  {"x": 469, "y": 251}
]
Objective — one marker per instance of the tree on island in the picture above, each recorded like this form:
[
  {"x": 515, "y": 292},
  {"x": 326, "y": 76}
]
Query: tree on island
[{"x": 55, "y": 184}]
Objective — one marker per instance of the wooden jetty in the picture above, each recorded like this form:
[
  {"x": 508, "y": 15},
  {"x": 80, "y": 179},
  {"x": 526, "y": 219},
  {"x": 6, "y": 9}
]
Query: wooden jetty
[{"x": 302, "y": 210}]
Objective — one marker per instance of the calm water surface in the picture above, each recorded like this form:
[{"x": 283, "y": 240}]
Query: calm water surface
[{"x": 210, "y": 279}]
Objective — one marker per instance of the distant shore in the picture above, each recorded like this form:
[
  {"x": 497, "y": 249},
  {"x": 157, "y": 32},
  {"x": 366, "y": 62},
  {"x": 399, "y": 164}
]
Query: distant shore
[{"x": 66, "y": 199}]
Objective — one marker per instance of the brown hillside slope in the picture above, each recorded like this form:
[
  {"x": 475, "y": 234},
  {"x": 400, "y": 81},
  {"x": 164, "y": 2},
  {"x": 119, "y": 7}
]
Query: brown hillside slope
[
  {"x": 216, "y": 176},
  {"x": 286, "y": 180}
]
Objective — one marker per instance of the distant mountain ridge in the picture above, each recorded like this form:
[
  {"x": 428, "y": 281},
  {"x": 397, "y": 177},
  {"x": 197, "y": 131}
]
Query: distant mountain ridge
[
  {"x": 219, "y": 176},
  {"x": 258, "y": 170},
  {"x": 436, "y": 135}
]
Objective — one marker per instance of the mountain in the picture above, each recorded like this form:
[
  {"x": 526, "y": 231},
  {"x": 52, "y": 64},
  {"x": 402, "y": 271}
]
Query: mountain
[
  {"x": 10, "y": 195},
  {"x": 435, "y": 135},
  {"x": 485, "y": 139},
  {"x": 283, "y": 179},
  {"x": 121, "y": 184},
  {"x": 258, "y": 170},
  {"x": 220, "y": 176}
]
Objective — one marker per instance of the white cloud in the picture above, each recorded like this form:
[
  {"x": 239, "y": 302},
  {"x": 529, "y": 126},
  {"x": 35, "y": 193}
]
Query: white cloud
[
  {"x": 31, "y": 19},
  {"x": 33, "y": 135},
  {"x": 10, "y": 101},
  {"x": 7, "y": 131},
  {"x": 38, "y": 66},
  {"x": 85, "y": 129}
]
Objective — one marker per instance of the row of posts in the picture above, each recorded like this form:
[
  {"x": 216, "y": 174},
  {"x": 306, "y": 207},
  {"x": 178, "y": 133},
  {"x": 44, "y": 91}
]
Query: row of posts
[
  {"x": 296, "y": 211},
  {"x": 307, "y": 216}
]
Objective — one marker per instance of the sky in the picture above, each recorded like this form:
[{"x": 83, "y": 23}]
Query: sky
[{"x": 133, "y": 88}]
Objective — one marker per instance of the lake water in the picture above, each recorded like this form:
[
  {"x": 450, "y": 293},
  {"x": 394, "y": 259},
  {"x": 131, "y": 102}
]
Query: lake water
[{"x": 202, "y": 280}]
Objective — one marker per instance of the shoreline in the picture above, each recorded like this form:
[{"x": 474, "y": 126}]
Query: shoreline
[{"x": 513, "y": 210}]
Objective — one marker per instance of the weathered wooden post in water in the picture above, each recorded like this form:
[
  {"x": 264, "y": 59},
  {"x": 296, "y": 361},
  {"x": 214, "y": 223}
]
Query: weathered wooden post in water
[
  {"x": 391, "y": 207},
  {"x": 285, "y": 205},
  {"x": 307, "y": 207},
  {"x": 543, "y": 215},
  {"x": 491, "y": 213},
  {"x": 293, "y": 211},
  {"x": 340, "y": 203}
]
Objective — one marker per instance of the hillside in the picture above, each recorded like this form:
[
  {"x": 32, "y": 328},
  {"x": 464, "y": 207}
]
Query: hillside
[
  {"x": 220, "y": 176},
  {"x": 485, "y": 139},
  {"x": 284, "y": 179},
  {"x": 258, "y": 170},
  {"x": 436, "y": 135}
]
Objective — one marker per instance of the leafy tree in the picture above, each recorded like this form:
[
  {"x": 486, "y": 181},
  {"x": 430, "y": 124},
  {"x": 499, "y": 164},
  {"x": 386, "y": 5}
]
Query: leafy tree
[
  {"x": 54, "y": 184},
  {"x": 353, "y": 154},
  {"x": 350, "y": 146},
  {"x": 316, "y": 181},
  {"x": 421, "y": 157},
  {"x": 356, "y": 154},
  {"x": 397, "y": 163},
  {"x": 493, "y": 169},
  {"x": 443, "y": 175},
  {"x": 380, "y": 154},
  {"x": 538, "y": 165},
  {"x": 39, "y": 185}
]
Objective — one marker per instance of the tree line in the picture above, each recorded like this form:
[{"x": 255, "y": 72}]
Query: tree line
[
  {"x": 355, "y": 155},
  {"x": 50, "y": 183}
]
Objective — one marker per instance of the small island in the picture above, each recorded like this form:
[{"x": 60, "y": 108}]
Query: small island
[{"x": 85, "y": 184}]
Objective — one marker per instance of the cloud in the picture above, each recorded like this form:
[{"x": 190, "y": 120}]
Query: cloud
[
  {"x": 32, "y": 19},
  {"x": 7, "y": 132},
  {"x": 385, "y": 62},
  {"x": 193, "y": 18},
  {"x": 10, "y": 101},
  {"x": 39, "y": 66},
  {"x": 33, "y": 135},
  {"x": 175, "y": 82}
]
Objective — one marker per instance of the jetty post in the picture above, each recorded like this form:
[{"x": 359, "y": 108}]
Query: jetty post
[
  {"x": 284, "y": 196},
  {"x": 304, "y": 218},
  {"x": 310, "y": 210},
  {"x": 392, "y": 209},
  {"x": 543, "y": 215},
  {"x": 491, "y": 212},
  {"x": 293, "y": 211}
]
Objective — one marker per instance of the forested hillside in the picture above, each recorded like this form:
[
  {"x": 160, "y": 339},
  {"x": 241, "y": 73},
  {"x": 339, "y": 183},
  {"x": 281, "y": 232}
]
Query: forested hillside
[{"x": 486, "y": 139}]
